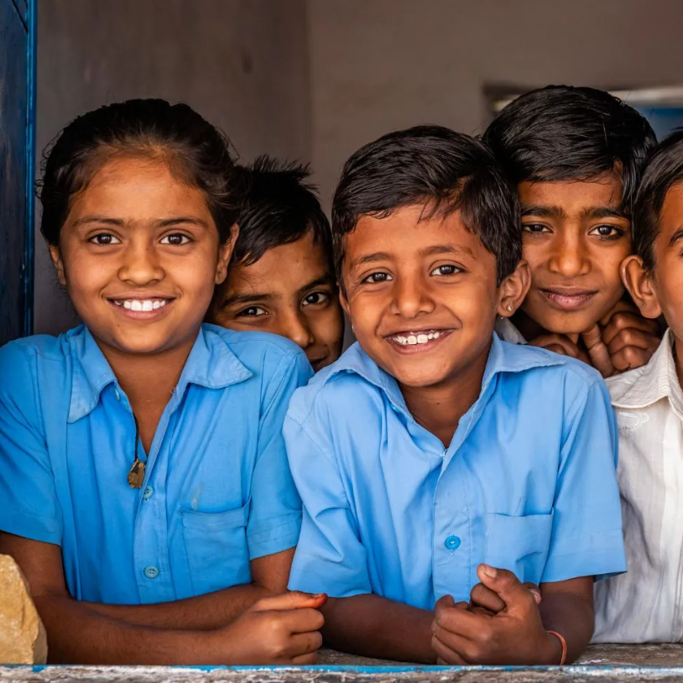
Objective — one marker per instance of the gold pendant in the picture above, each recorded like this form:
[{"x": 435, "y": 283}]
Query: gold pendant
[{"x": 137, "y": 474}]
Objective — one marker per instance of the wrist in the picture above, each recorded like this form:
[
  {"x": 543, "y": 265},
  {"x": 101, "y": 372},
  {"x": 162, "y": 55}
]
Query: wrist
[{"x": 554, "y": 652}]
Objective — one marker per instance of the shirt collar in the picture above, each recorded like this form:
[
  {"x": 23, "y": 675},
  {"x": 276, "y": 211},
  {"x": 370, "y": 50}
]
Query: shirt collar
[
  {"x": 503, "y": 357},
  {"x": 210, "y": 364},
  {"x": 645, "y": 386}
]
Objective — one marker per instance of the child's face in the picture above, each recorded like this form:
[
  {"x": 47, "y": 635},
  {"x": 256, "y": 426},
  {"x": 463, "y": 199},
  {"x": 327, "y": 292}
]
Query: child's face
[
  {"x": 289, "y": 291},
  {"x": 139, "y": 254},
  {"x": 660, "y": 292},
  {"x": 422, "y": 296},
  {"x": 575, "y": 238}
]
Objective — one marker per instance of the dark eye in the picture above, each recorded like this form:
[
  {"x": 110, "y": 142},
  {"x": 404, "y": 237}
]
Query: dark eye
[
  {"x": 376, "y": 278},
  {"x": 104, "y": 239},
  {"x": 176, "y": 239},
  {"x": 446, "y": 269},
  {"x": 251, "y": 312},
  {"x": 315, "y": 298},
  {"x": 608, "y": 232},
  {"x": 535, "y": 228}
]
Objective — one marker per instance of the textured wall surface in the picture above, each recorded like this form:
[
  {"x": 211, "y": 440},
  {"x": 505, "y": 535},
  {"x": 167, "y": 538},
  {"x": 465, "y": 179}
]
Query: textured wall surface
[
  {"x": 241, "y": 63},
  {"x": 13, "y": 38},
  {"x": 380, "y": 65}
]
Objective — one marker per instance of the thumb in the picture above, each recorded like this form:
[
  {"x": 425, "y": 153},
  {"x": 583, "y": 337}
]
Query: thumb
[
  {"x": 506, "y": 585},
  {"x": 291, "y": 600},
  {"x": 597, "y": 351}
]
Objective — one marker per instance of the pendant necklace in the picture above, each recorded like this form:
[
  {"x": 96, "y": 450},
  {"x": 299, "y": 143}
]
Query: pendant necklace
[{"x": 137, "y": 472}]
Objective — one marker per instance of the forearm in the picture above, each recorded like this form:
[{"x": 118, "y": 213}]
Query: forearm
[
  {"x": 373, "y": 626},
  {"x": 79, "y": 635},
  {"x": 572, "y": 616},
  {"x": 200, "y": 613}
]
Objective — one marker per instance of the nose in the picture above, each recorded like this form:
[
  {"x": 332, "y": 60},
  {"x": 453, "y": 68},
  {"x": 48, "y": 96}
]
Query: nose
[
  {"x": 569, "y": 257},
  {"x": 411, "y": 297},
  {"x": 297, "y": 328},
  {"x": 141, "y": 265}
]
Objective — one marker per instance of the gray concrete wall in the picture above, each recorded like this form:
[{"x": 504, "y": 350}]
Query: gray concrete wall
[
  {"x": 241, "y": 63},
  {"x": 379, "y": 65}
]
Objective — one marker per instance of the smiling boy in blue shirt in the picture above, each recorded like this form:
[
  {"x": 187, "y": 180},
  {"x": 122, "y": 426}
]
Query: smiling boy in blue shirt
[{"x": 436, "y": 463}]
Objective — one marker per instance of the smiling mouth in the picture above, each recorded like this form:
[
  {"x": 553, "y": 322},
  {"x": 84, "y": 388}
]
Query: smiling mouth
[
  {"x": 418, "y": 340},
  {"x": 142, "y": 309},
  {"x": 568, "y": 300}
]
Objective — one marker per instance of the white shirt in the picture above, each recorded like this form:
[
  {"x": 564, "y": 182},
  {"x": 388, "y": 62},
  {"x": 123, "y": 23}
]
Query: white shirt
[
  {"x": 646, "y": 603},
  {"x": 507, "y": 331}
]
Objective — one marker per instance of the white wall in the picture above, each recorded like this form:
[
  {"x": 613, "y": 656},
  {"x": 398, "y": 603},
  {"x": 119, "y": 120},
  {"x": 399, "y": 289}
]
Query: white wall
[
  {"x": 240, "y": 63},
  {"x": 380, "y": 65}
]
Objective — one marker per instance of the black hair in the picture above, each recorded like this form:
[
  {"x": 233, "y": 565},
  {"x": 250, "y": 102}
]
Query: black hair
[
  {"x": 663, "y": 171},
  {"x": 562, "y": 132},
  {"x": 194, "y": 150},
  {"x": 440, "y": 169},
  {"x": 278, "y": 207}
]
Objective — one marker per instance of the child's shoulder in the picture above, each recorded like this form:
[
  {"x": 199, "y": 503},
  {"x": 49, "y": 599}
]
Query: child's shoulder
[
  {"x": 16, "y": 356},
  {"x": 257, "y": 351}
]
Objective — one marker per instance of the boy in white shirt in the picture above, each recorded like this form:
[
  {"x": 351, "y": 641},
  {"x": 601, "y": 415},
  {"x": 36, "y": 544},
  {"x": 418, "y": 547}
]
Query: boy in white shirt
[{"x": 646, "y": 604}]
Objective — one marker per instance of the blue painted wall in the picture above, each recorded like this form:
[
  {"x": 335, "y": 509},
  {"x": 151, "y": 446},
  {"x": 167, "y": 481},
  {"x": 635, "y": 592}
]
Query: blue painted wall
[{"x": 17, "y": 67}]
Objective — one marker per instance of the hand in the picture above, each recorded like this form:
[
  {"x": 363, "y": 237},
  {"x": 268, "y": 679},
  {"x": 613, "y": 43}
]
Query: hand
[
  {"x": 284, "y": 629},
  {"x": 562, "y": 344},
  {"x": 630, "y": 338},
  {"x": 483, "y": 600},
  {"x": 514, "y": 635}
]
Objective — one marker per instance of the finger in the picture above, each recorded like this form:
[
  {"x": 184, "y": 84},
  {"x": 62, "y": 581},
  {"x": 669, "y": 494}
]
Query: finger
[
  {"x": 622, "y": 306},
  {"x": 302, "y": 620},
  {"x": 558, "y": 343},
  {"x": 625, "y": 321},
  {"x": 481, "y": 596},
  {"x": 630, "y": 358},
  {"x": 534, "y": 590},
  {"x": 445, "y": 601},
  {"x": 305, "y": 660},
  {"x": 632, "y": 337},
  {"x": 304, "y": 643},
  {"x": 291, "y": 600},
  {"x": 507, "y": 586},
  {"x": 447, "y": 655},
  {"x": 460, "y": 622},
  {"x": 597, "y": 351}
]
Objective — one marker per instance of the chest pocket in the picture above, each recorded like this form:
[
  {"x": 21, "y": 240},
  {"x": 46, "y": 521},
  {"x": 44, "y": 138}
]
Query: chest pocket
[
  {"x": 216, "y": 548},
  {"x": 519, "y": 544}
]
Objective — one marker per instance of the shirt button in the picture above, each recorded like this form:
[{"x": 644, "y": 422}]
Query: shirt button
[
  {"x": 452, "y": 542},
  {"x": 148, "y": 493},
  {"x": 117, "y": 394},
  {"x": 151, "y": 572}
]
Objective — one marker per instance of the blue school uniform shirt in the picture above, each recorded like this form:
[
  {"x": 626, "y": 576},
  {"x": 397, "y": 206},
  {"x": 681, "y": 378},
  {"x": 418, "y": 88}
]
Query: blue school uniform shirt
[
  {"x": 217, "y": 491},
  {"x": 527, "y": 484}
]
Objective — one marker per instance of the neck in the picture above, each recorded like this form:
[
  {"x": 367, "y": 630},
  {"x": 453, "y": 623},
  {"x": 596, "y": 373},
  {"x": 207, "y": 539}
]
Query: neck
[
  {"x": 528, "y": 327},
  {"x": 148, "y": 380},
  {"x": 439, "y": 408}
]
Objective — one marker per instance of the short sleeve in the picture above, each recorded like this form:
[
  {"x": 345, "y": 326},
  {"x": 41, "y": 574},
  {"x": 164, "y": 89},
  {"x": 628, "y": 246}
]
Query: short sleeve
[
  {"x": 330, "y": 557},
  {"x": 28, "y": 499},
  {"x": 275, "y": 514},
  {"x": 587, "y": 537}
]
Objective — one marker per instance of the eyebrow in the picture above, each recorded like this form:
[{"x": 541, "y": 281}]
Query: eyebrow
[
  {"x": 428, "y": 251},
  {"x": 162, "y": 223},
  {"x": 604, "y": 212},
  {"x": 243, "y": 299},
  {"x": 324, "y": 280},
  {"x": 559, "y": 212}
]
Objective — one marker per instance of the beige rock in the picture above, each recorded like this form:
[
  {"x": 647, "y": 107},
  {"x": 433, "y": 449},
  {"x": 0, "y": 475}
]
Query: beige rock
[{"x": 22, "y": 635}]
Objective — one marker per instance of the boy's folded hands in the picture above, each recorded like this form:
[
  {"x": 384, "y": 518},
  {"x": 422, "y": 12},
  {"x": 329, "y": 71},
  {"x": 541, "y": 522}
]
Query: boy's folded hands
[
  {"x": 621, "y": 341},
  {"x": 501, "y": 625},
  {"x": 284, "y": 629}
]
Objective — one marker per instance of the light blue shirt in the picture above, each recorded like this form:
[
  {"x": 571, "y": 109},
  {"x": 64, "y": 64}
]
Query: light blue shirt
[
  {"x": 527, "y": 484},
  {"x": 217, "y": 491}
]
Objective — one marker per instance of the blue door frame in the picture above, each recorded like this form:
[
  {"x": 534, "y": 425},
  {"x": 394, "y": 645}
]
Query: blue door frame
[{"x": 17, "y": 165}]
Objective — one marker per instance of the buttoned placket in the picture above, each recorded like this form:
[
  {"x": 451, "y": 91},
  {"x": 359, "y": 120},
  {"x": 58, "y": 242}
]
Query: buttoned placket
[{"x": 151, "y": 559}]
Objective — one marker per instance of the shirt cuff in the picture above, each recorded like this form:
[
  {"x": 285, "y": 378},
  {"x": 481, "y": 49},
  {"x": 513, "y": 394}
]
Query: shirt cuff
[
  {"x": 338, "y": 581},
  {"x": 45, "y": 529},
  {"x": 598, "y": 556},
  {"x": 282, "y": 534}
]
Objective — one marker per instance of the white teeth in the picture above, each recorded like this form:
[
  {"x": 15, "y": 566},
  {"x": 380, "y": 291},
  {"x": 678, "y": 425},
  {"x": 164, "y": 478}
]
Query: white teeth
[
  {"x": 413, "y": 339},
  {"x": 138, "y": 305}
]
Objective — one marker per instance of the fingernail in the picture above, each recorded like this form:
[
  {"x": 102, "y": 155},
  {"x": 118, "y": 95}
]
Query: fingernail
[{"x": 491, "y": 572}]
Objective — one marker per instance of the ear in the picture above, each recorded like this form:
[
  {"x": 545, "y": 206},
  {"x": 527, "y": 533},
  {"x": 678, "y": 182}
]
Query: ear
[
  {"x": 56, "y": 256},
  {"x": 641, "y": 286},
  {"x": 513, "y": 289},
  {"x": 224, "y": 253}
]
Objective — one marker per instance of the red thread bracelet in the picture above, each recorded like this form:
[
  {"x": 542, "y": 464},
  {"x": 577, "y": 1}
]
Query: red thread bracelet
[{"x": 563, "y": 643}]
